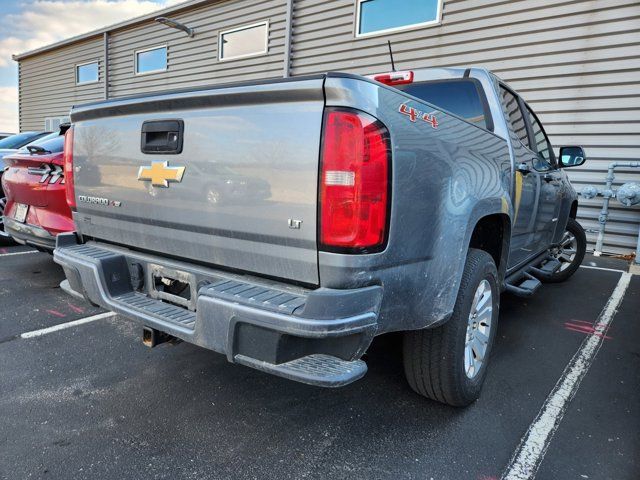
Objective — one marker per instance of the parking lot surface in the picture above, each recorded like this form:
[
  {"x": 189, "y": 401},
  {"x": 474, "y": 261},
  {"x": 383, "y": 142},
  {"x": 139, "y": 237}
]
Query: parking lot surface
[{"x": 90, "y": 401}]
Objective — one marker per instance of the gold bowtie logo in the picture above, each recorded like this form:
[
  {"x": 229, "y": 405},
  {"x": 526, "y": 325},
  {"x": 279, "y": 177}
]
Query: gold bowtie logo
[{"x": 161, "y": 174}]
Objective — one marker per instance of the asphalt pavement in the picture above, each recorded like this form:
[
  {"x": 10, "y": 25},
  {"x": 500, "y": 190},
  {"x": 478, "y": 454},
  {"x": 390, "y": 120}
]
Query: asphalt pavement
[{"x": 89, "y": 401}]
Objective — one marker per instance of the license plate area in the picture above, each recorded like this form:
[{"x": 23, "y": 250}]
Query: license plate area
[
  {"x": 172, "y": 286},
  {"x": 20, "y": 213}
]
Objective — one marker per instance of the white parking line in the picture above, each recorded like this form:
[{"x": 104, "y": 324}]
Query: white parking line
[
  {"x": 18, "y": 253},
  {"x": 590, "y": 267},
  {"x": 528, "y": 456},
  {"x": 62, "y": 326}
]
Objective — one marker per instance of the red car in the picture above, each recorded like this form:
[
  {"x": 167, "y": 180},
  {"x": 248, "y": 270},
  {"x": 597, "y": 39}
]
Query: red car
[{"x": 36, "y": 209}]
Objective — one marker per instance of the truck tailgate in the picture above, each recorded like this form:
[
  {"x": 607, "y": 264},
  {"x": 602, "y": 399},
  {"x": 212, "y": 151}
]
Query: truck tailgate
[{"x": 241, "y": 193}]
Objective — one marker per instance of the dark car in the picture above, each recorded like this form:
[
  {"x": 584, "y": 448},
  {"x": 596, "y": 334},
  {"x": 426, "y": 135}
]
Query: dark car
[
  {"x": 36, "y": 207},
  {"x": 12, "y": 143},
  {"x": 9, "y": 145}
]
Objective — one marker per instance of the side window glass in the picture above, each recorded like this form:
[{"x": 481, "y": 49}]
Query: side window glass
[
  {"x": 514, "y": 115},
  {"x": 542, "y": 144},
  {"x": 459, "y": 97}
]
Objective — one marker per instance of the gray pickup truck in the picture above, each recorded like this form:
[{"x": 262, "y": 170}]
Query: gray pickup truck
[{"x": 286, "y": 223}]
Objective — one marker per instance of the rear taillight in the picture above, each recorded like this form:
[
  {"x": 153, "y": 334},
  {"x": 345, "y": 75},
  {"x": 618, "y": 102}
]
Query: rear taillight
[
  {"x": 394, "y": 78},
  {"x": 69, "y": 185},
  {"x": 354, "y": 182}
]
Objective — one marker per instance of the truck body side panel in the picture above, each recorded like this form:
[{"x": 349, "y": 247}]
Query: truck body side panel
[{"x": 444, "y": 180}]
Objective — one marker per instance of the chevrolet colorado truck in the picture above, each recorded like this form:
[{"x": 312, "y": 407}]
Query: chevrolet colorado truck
[{"x": 353, "y": 207}]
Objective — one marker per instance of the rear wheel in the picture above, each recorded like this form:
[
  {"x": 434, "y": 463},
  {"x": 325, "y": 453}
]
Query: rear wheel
[
  {"x": 570, "y": 251},
  {"x": 449, "y": 363}
]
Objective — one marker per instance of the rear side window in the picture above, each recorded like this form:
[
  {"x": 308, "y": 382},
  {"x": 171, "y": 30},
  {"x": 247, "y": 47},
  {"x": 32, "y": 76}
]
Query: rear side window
[
  {"x": 460, "y": 97},
  {"x": 514, "y": 115},
  {"x": 52, "y": 143},
  {"x": 543, "y": 146}
]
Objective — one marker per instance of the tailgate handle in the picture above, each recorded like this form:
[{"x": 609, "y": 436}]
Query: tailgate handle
[{"x": 162, "y": 136}]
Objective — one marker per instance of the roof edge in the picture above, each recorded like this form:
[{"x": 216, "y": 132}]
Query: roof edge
[{"x": 186, "y": 5}]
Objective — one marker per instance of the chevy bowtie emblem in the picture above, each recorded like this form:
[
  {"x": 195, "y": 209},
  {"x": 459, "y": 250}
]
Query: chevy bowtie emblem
[{"x": 161, "y": 174}]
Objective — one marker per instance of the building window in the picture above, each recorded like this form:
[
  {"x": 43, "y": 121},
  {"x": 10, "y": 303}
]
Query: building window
[
  {"x": 151, "y": 60},
  {"x": 244, "y": 41},
  {"x": 86, "y": 73},
  {"x": 382, "y": 16}
]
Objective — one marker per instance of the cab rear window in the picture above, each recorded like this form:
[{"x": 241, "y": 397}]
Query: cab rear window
[{"x": 461, "y": 97}]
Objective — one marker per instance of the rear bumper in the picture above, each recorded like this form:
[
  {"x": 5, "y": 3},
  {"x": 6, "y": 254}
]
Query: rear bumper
[
  {"x": 31, "y": 235},
  {"x": 312, "y": 336}
]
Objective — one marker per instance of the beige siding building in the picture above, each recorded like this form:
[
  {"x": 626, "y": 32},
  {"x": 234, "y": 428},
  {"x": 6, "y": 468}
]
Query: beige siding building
[{"x": 575, "y": 62}]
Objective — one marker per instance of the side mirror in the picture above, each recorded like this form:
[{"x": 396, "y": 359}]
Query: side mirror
[{"x": 572, "y": 156}]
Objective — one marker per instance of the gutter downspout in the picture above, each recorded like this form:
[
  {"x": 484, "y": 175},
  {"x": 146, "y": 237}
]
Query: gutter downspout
[
  {"x": 106, "y": 65},
  {"x": 287, "y": 40}
]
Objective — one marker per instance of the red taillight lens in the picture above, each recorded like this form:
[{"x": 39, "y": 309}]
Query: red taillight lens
[
  {"x": 354, "y": 183},
  {"x": 395, "y": 78},
  {"x": 70, "y": 190}
]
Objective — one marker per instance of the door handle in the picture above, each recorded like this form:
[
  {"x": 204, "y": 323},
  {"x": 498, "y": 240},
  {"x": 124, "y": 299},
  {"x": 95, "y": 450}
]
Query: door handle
[
  {"x": 548, "y": 177},
  {"x": 162, "y": 136},
  {"x": 523, "y": 168}
]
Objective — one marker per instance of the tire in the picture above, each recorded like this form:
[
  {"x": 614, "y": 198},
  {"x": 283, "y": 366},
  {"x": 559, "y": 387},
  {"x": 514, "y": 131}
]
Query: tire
[
  {"x": 435, "y": 361},
  {"x": 571, "y": 258}
]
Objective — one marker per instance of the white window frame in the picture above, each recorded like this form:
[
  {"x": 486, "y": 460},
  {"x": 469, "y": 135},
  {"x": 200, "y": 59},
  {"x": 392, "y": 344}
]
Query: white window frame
[
  {"x": 75, "y": 72},
  {"x": 240, "y": 28},
  {"x": 431, "y": 23},
  {"x": 157, "y": 70}
]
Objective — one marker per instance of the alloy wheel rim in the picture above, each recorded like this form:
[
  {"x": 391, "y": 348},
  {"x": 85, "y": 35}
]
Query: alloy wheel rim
[
  {"x": 566, "y": 251},
  {"x": 478, "y": 330}
]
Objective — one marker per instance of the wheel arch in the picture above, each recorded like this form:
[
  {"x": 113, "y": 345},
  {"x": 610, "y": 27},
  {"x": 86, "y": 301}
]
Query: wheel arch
[
  {"x": 492, "y": 234},
  {"x": 573, "y": 211}
]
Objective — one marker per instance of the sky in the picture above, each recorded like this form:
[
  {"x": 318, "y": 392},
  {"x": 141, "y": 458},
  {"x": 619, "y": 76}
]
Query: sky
[{"x": 42, "y": 22}]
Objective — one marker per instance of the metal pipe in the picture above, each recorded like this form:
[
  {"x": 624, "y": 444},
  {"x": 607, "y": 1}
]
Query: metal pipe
[{"x": 607, "y": 194}]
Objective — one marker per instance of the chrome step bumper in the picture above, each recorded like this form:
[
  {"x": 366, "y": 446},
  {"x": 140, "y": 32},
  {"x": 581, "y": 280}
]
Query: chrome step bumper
[
  {"x": 312, "y": 336},
  {"x": 318, "y": 369}
]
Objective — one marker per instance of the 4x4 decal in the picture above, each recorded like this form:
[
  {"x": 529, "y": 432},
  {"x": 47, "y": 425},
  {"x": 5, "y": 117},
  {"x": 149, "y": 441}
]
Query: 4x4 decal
[{"x": 414, "y": 115}]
